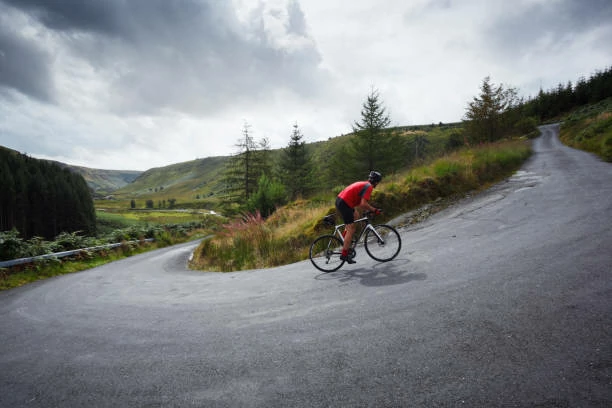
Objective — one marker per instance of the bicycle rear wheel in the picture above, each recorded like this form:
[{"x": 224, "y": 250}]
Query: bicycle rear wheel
[
  {"x": 384, "y": 245},
  {"x": 325, "y": 253}
]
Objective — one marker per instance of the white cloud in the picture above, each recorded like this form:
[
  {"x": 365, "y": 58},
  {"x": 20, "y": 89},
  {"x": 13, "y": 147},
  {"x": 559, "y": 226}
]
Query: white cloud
[{"x": 141, "y": 84}]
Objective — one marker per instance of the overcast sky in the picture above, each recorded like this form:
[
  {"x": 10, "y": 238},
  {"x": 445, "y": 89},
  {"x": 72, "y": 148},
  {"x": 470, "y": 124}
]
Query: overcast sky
[{"x": 136, "y": 84}]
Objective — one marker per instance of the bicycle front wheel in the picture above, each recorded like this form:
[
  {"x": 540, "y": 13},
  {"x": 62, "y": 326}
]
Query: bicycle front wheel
[
  {"x": 383, "y": 243},
  {"x": 325, "y": 253}
]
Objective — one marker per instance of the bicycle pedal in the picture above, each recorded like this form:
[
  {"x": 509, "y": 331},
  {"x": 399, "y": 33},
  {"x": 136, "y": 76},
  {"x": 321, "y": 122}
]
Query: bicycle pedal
[{"x": 348, "y": 259}]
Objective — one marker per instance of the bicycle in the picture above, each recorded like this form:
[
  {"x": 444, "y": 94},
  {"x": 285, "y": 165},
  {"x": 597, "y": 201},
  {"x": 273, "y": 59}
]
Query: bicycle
[{"x": 381, "y": 242}]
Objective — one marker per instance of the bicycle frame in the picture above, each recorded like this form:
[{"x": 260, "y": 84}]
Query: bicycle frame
[
  {"x": 325, "y": 252},
  {"x": 339, "y": 227}
]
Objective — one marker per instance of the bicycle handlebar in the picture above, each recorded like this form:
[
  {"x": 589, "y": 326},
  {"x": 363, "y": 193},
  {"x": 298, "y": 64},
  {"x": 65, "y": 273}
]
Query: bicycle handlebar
[{"x": 371, "y": 214}]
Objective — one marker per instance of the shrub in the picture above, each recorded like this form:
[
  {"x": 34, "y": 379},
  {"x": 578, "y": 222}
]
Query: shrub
[{"x": 11, "y": 246}]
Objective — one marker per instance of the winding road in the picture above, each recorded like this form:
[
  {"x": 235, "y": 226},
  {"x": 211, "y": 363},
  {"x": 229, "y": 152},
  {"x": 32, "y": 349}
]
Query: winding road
[{"x": 504, "y": 299}]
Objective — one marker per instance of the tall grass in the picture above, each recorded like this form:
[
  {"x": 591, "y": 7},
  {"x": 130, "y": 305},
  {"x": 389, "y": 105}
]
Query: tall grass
[
  {"x": 590, "y": 129},
  {"x": 254, "y": 242}
]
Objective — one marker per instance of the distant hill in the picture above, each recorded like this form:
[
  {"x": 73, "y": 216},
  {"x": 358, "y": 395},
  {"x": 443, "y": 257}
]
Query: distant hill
[
  {"x": 103, "y": 182},
  {"x": 187, "y": 182}
]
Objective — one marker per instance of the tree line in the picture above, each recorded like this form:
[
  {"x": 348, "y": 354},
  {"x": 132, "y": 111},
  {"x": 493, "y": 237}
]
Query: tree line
[
  {"x": 40, "y": 198},
  {"x": 254, "y": 181},
  {"x": 498, "y": 111}
]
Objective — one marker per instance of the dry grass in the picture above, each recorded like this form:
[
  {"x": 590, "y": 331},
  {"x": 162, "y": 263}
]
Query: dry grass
[{"x": 285, "y": 237}]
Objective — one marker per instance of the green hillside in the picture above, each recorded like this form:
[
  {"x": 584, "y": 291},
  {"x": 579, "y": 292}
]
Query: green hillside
[
  {"x": 196, "y": 182},
  {"x": 199, "y": 183}
]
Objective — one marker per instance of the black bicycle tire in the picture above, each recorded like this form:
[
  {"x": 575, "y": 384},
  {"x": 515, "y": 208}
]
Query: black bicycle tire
[
  {"x": 391, "y": 230},
  {"x": 319, "y": 266}
]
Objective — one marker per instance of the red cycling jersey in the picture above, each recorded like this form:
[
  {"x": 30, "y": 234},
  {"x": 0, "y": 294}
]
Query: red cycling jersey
[{"x": 353, "y": 194}]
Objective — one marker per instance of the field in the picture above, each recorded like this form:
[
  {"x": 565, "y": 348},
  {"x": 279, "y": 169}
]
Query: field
[{"x": 109, "y": 219}]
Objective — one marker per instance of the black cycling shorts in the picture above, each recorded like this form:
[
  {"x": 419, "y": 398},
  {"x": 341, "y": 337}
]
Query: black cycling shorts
[{"x": 348, "y": 214}]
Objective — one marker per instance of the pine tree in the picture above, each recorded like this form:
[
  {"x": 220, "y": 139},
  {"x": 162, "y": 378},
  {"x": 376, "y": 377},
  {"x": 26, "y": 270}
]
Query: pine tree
[
  {"x": 371, "y": 143},
  {"x": 296, "y": 166}
]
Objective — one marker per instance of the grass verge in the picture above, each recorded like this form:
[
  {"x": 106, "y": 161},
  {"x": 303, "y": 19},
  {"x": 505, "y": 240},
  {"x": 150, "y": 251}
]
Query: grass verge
[
  {"x": 590, "y": 129},
  {"x": 285, "y": 237}
]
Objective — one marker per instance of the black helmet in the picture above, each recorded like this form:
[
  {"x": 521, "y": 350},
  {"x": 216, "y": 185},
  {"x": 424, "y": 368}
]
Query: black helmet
[{"x": 374, "y": 177}]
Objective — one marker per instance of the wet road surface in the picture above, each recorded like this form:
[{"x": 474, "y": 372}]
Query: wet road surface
[{"x": 501, "y": 300}]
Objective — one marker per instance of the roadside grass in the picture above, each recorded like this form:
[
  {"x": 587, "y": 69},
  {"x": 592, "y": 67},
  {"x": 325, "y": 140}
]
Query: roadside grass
[
  {"x": 24, "y": 274},
  {"x": 163, "y": 235},
  {"x": 590, "y": 129},
  {"x": 285, "y": 237}
]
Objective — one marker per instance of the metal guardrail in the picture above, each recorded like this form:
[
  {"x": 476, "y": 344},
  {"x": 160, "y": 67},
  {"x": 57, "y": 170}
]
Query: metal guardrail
[{"x": 21, "y": 261}]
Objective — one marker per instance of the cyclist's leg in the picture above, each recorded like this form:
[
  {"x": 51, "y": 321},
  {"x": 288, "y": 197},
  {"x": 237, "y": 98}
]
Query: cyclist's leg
[{"x": 348, "y": 216}]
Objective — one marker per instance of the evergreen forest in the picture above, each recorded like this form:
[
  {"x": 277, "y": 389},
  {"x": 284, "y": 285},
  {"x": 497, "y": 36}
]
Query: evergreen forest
[{"x": 41, "y": 199}]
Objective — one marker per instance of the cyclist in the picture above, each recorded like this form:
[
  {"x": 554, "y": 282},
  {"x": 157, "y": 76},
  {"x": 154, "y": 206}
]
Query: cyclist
[{"x": 352, "y": 197}]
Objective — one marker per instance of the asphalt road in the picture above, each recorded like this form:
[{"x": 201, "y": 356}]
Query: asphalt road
[{"x": 501, "y": 300}]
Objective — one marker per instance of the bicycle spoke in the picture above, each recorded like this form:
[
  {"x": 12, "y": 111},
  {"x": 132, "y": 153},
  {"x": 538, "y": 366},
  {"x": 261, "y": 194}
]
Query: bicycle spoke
[
  {"x": 325, "y": 253},
  {"x": 382, "y": 243}
]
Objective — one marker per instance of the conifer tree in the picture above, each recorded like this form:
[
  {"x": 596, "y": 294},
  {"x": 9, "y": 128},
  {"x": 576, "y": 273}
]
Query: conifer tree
[
  {"x": 296, "y": 166},
  {"x": 371, "y": 144}
]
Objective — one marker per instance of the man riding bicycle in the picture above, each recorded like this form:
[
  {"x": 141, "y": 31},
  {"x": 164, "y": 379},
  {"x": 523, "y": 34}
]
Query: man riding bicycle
[{"x": 352, "y": 197}]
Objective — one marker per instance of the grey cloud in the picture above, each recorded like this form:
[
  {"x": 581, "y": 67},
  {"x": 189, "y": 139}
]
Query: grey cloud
[
  {"x": 24, "y": 66},
  {"x": 179, "y": 55},
  {"x": 557, "y": 21}
]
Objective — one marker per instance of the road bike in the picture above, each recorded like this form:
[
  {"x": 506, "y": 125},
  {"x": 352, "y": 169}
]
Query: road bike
[{"x": 381, "y": 242}]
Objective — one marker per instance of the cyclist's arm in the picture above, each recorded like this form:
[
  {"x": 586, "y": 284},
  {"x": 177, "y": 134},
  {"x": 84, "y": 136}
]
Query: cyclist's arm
[{"x": 364, "y": 205}]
